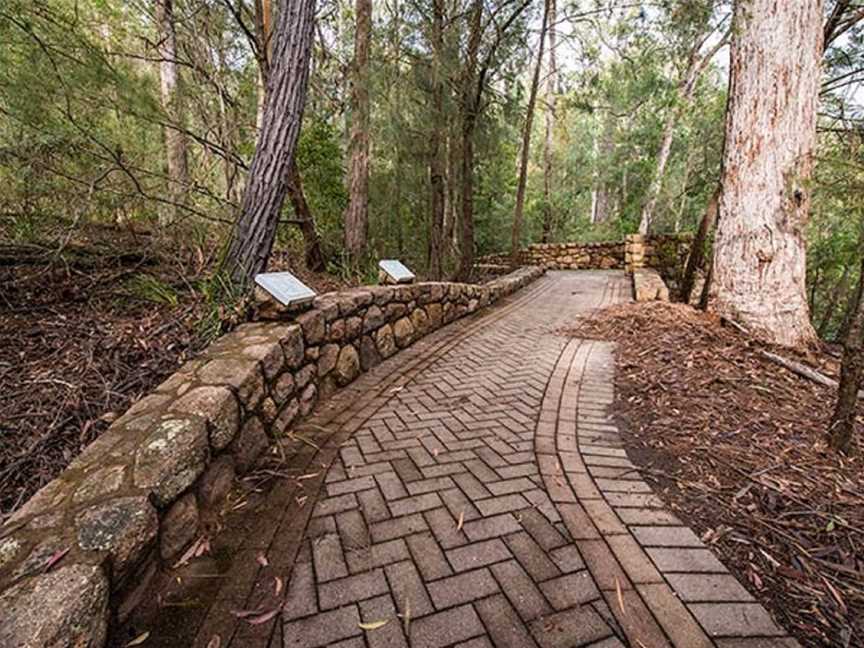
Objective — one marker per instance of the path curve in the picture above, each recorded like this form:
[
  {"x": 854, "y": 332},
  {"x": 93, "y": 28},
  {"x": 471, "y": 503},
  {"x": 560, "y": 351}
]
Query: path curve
[{"x": 472, "y": 491}]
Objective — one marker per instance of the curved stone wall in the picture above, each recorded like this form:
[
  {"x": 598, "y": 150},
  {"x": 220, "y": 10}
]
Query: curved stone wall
[{"x": 80, "y": 553}]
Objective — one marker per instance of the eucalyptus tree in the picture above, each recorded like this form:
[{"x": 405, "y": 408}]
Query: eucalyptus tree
[
  {"x": 488, "y": 36},
  {"x": 550, "y": 103},
  {"x": 169, "y": 81},
  {"x": 759, "y": 268},
  {"x": 525, "y": 151},
  {"x": 700, "y": 31},
  {"x": 357, "y": 213}
]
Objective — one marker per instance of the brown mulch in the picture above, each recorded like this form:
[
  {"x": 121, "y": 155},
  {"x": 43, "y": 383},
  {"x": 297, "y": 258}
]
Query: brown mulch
[
  {"x": 80, "y": 341},
  {"x": 736, "y": 447}
]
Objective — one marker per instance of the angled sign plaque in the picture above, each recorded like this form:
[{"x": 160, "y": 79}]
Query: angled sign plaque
[{"x": 285, "y": 288}]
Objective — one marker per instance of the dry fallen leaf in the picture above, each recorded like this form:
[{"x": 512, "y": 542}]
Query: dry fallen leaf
[
  {"x": 620, "y": 596},
  {"x": 262, "y": 618},
  {"x": 374, "y": 625},
  {"x": 261, "y": 559},
  {"x": 215, "y": 642},
  {"x": 277, "y": 588},
  {"x": 461, "y": 520},
  {"x": 140, "y": 639}
]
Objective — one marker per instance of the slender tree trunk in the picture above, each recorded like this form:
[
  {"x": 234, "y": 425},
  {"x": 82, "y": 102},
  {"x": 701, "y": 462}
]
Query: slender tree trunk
[
  {"x": 311, "y": 241},
  {"x": 760, "y": 253},
  {"x": 839, "y": 289},
  {"x": 518, "y": 214},
  {"x": 263, "y": 28},
  {"x": 696, "y": 259},
  {"x": 266, "y": 188},
  {"x": 549, "y": 140},
  {"x": 686, "y": 88},
  {"x": 438, "y": 153},
  {"x": 357, "y": 213},
  {"x": 470, "y": 107},
  {"x": 169, "y": 82},
  {"x": 852, "y": 305},
  {"x": 601, "y": 199},
  {"x": 451, "y": 233},
  {"x": 679, "y": 215},
  {"x": 842, "y": 424}
]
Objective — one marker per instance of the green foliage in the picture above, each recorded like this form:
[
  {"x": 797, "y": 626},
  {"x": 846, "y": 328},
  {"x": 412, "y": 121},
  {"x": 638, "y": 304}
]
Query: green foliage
[{"x": 152, "y": 289}]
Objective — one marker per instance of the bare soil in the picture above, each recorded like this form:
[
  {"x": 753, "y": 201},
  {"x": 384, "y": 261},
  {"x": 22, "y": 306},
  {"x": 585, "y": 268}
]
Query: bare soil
[
  {"x": 89, "y": 324},
  {"x": 736, "y": 447}
]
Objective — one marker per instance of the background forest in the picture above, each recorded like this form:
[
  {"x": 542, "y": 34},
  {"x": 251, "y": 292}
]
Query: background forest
[{"x": 142, "y": 115}]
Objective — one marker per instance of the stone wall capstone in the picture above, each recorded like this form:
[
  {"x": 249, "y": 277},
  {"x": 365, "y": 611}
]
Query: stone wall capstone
[{"x": 81, "y": 552}]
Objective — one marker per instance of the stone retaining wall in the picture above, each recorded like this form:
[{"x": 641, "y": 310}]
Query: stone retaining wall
[
  {"x": 665, "y": 253},
  {"x": 80, "y": 553},
  {"x": 567, "y": 256}
]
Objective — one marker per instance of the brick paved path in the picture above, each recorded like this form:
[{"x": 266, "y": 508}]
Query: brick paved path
[{"x": 473, "y": 491}]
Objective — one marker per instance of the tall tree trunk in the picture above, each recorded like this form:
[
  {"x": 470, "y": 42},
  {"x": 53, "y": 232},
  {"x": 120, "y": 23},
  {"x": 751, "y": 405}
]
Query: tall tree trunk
[
  {"x": 696, "y": 258},
  {"x": 549, "y": 140},
  {"x": 313, "y": 255},
  {"x": 852, "y": 305},
  {"x": 851, "y": 373},
  {"x": 357, "y": 213},
  {"x": 760, "y": 252},
  {"x": 470, "y": 106},
  {"x": 601, "y": 198},
  {"x": 451, "y": 214},
  {"x": 263, "y": 28},
  {"x": 311, "y": 241},
  {"x": 686, "y": 88},
  {"x": 518, "y": 213},
  {"x": 438, "y": 153},
  {"x": 175, "y": 139},
  {"x": 839, "y": 288},
  {"x": 255, "y": 229}
]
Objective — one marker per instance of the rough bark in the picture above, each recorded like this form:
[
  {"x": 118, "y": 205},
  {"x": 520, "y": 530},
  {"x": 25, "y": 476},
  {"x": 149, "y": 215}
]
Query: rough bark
[
  {"x": 549, "y": 139},
  {"x": 267, "y": 186},
  {"x": 842, "y": 425},
  {"x": 470, "y": 106},
  {"x": 760, "y": 253},
  {"x": 438, "y": 153},
  {"x": 357, "y": 212},
  {"x": 313, "y": 254},
  {"x": 311, "y": 241},
  {"x": 169, "y": 81},
  {"x": 518, "y": 213},
  {"x": 696, "y": 259}
]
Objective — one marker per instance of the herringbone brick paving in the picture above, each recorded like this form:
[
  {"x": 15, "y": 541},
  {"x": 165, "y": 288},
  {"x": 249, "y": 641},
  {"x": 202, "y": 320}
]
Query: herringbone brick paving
[{"x": 481, "y": 496}]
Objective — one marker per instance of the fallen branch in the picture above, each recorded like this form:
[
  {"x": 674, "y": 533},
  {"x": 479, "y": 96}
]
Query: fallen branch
[{"x": 802, "y": 370}]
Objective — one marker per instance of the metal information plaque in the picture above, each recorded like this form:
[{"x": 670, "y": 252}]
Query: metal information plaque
[
  {"x": 396, "y": 271},
  {"x": 285, "y": 288}
]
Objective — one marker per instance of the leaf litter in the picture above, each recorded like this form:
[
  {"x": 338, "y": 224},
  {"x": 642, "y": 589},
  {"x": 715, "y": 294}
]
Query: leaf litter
[{"x": 735, "y": 446}]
